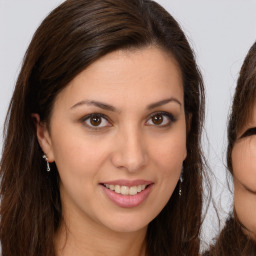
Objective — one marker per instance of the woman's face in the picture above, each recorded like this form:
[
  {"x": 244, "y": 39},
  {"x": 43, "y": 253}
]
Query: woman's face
[
  {"x": 244, "y": 170},
  {"x": 118, "y": 137}
]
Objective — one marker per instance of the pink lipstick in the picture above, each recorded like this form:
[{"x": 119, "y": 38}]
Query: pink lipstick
[{"x": 127, "y": 194}]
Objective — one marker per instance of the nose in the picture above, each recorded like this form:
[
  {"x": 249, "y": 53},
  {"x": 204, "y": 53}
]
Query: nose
[{"x": 130, "y": 151}]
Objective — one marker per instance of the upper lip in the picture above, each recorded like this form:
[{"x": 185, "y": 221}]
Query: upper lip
[{"x": 128, "y": 183}]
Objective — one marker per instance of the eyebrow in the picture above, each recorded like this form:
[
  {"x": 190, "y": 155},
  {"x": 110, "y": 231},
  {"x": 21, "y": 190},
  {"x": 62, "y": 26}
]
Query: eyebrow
[
  {"x": 113, "y": 109},
  {"x": 95, "y": 103},
  {"x": 163, "y": 102}
]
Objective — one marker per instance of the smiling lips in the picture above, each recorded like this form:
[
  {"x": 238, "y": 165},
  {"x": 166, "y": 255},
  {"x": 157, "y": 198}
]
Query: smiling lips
[
  {"x": 125, "y": 190},
  {"x": 127, "y": 194}
]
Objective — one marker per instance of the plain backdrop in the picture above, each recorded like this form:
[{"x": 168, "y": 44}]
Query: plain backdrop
[{"x": 220, "y": 32}]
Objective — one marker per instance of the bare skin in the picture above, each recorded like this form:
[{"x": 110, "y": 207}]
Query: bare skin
[
  {"x": 244, "y": 170},
  {"x": 121, "y": 120}
]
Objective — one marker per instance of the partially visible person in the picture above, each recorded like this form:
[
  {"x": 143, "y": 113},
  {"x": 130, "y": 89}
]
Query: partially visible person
[
  {"x": 102, "y": 151},
  {"x": 238, "y": 236}
]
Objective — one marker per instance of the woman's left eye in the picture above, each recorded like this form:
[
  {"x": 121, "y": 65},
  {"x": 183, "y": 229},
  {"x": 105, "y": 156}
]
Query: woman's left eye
[
  {"x": 161, "y": 119},
  {"x": 96, "y": 121}
]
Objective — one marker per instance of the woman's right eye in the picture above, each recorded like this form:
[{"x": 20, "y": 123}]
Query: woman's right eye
[{"x": 96, "y": 121}]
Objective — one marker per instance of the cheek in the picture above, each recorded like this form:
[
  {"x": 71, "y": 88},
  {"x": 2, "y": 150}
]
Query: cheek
[
  {"x": 78, "y": 154},
  {"x": 169, "y": 156},
  {"x": 172, "y": 148},
  {"x": 244, "y": 163}
]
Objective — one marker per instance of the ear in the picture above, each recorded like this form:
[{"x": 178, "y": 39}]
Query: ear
[{"x": 43, "y": 137}]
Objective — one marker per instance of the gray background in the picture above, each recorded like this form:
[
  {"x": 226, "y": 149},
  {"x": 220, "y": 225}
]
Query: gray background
[{"x": 220, "y": 32}]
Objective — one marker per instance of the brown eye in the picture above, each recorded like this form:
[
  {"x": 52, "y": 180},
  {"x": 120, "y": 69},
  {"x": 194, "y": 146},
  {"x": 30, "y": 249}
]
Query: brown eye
[
  {"x": 157, "y": 119},
  {"x": 95, "y": 120},
  {"x": 161, "y": 119}
]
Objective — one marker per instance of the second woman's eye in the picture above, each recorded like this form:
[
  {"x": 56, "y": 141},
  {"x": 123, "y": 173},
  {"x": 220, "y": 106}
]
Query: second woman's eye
[
  {"x": 249, "y": 132},
  {"x": 96, "y": 121},
  {"x": 161, "y": 119}
]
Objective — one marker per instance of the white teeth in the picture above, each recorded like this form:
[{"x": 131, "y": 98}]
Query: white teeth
[
  {"x": 125, "y": 190},
  {"x": 133, "y": 190},
  {"x": 116, "y": 188}
]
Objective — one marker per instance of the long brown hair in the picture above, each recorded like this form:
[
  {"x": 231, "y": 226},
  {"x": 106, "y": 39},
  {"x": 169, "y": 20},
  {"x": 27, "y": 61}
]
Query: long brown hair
[
  {"x": 243, "y": 102},
  {"x": 74, "y": 35},
  {"x": 232, "y": 240}
]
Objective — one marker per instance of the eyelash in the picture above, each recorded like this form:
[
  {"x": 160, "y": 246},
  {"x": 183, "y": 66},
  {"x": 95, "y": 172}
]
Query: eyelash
[
  {"x": 97, "y": 115},
  {"x": 170, "y": 116},
  {"x": 88, "y": 118},
  {"x": 249, "y": 132}
]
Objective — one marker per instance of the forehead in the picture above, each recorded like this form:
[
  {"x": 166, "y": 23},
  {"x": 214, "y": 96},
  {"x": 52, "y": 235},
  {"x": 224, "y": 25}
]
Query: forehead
[
  {"x": 151, "y": 63},
  {"x": 146, "y": 74}
]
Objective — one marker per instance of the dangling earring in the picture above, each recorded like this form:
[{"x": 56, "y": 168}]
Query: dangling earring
[
  {"x": 47, "y": 162},
  {"x": 181, "y": 180}
]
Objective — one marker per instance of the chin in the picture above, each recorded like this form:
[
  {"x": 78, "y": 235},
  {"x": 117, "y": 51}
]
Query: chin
[{"x": 126, "y": 224}]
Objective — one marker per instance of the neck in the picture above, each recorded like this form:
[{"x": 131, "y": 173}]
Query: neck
[
  {"x": 74, "y": 239},
  {"x": 251, "y": 235}
]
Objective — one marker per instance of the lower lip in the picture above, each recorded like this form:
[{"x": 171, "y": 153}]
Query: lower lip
[{"x": 127, "y": 201}]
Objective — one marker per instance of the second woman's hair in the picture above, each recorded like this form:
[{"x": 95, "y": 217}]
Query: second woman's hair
[
  {"x": 243, "y": 102},
  {"x": 232, "y": 240}
]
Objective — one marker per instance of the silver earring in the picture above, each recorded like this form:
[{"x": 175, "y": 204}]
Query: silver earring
[
  {"x": 47, "y": 163},
  {"x": 181, "y": 180}
]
